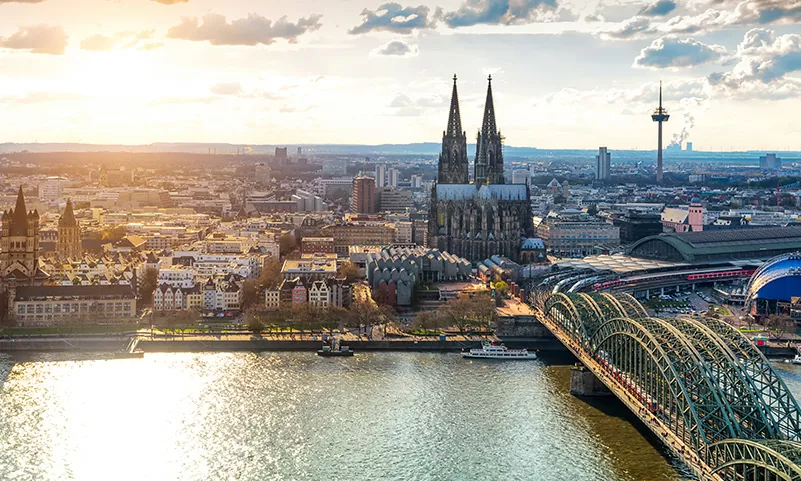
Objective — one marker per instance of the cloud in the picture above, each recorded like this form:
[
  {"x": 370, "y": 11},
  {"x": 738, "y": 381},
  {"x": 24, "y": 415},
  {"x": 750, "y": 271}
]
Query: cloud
[
  {"x": 120, "y": 40},
  {"x": 659, "y": 8},
  {"x": 674, "y": 52},
  {"x": 45, "y": 39},
  {"x": 227, "y": 88},
  {"x": 763, "y": 62},
  {"x": 594, "y": 17},
  {"x": 41, "y": 97},
  {"x": 503, "y": 12},
  {"x": 634, "y": 27},
  {"x": 406, "y": 106},
  {"x": 98, "y": 43},
  {"x": 397, "y": 48},
  {"x": 393, "y": 17},
  {"x": 718, "y": 15},
  {"x": 170, "y": 2},
  {"x": 252, "y": 30},
  {"x": 20, "y": 1}
]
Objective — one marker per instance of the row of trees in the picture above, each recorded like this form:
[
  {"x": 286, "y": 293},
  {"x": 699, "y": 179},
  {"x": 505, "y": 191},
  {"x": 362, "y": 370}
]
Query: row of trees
[
  {"x": 362, "y": 313},
  {"x": 466, "y": 313}
]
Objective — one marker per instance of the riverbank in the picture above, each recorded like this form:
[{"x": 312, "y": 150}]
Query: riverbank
[{"x": 242, "y": 342}]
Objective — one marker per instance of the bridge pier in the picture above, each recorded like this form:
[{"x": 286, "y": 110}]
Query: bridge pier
[{"x": 583, "y": 383}]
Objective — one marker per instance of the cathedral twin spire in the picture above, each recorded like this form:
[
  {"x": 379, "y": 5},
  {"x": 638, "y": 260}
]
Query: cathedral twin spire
[{"x": 453, "y": 165}]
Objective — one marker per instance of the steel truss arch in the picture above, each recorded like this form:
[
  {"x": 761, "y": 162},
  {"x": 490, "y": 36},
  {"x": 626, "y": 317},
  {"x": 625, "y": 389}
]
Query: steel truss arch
[
  {"x": 746, "y": 459},
  {"x": 768, "y": 385},
  {"x": 732, "y": 381},
  {"x": 713, "y": 417},
  {"x": 634, "y": 309},
  {"x": 613, "y": 306}
]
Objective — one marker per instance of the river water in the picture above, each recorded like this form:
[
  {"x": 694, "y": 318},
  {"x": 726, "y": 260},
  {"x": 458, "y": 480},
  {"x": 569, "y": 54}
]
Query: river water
[{"x": 281, "y": 416}]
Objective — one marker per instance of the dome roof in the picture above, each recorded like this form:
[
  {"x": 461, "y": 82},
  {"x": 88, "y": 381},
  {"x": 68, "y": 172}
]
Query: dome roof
[{"x": 777, "y": 279}]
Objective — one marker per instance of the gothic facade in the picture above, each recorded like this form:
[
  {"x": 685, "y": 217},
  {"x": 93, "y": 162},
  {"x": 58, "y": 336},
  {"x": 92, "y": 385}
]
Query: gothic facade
[
  {"x": 68, "y": 245},
  {"x": 486, "y": 217}
]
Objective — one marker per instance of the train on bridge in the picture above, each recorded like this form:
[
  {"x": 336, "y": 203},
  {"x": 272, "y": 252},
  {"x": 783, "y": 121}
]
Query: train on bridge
[{"x": 694, "y": 275}]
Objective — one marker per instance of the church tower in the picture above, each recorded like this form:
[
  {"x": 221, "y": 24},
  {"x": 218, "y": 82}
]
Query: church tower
[
  {"x": 489, "y": 146},
  {"x": 453, "y": 159},
  {"x": 19, "y": 242},
  {"x": 69, "y": 235}
]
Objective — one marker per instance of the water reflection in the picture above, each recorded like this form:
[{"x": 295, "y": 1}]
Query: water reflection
[{"x": 297, "y": 416}]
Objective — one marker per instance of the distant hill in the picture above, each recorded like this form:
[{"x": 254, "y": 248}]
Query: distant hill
[{"x": 413, "y": 149}]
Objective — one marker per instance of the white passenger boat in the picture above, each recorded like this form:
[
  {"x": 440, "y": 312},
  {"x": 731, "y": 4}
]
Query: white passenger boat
[
  {"x": 797, "y": 360},
  {"x": 498, "y": 351}
]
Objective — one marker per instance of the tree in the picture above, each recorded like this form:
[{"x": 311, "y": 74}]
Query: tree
[
  {"x": 287, "y": 243},
  {"x": 250, "y": 294},
  {"x": 779, "y": 325},
  {"x": 270, "y": 274},
  {"x": 429, "y": 321},
  {"x": 468, "y": 312},
  {"x": 113, "y": 234},
  {"x": 255, "y": 320},
  {"x": 150, "y": 280},
  {"x": 349, "y": 271},
  {"x": 501, "y": 288}
]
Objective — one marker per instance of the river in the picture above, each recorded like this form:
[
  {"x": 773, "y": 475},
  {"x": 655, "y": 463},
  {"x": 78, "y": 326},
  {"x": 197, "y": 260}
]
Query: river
[{"x": 281, "y": 416}]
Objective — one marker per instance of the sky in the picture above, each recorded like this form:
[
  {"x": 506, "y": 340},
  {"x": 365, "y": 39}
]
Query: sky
[{"x": 566, "y": 73}]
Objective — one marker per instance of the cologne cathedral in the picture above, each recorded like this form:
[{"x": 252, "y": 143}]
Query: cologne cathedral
[{"x": 484, "y": 218}]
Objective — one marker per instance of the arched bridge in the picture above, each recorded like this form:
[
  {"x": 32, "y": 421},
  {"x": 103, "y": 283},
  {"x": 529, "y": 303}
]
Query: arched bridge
[{"x": 698, "y": 384}]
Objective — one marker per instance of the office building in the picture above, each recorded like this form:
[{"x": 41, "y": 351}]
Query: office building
[
  {"x": 770, "y": 162},
  {"x": 520, "y": 176},
  {"x": 603, "y": 165},
  {"x": 363, "y": 201},
  {"x": 392, "y": 178},
  {"x": 380, "y": 175}
]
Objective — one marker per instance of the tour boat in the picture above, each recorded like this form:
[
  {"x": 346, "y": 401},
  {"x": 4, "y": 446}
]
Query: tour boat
[
  {"x": 498, "y": 351},
  {"x": 797, "y": 360}
]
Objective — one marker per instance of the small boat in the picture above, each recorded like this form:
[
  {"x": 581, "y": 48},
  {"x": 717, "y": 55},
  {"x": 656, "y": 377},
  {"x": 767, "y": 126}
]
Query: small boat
[
  {"x": 334, "y": 349},
  {"x": 489, "y": 350},
  {"x": 797, "y": 360}
]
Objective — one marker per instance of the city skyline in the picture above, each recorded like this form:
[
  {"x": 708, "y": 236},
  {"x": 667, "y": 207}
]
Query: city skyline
[{"x": 146, "y": 71}]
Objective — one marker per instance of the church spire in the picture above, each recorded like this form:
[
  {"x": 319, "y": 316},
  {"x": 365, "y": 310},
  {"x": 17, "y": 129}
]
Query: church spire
[
  {"x": 455, "y": 118},
  {"x": 488, "y": 126},
  {"x": 19, "y": 221},
  {"x": 452, "y": 167},
  {"x": 68, "y": 218},
  {"x": 488, "y": 166}
]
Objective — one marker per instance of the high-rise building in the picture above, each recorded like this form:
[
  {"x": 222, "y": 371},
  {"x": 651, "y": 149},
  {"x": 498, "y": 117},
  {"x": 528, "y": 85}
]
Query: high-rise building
[
  {"x": 68, "y": 245},
  {"x": 520, "y": 176},
  {"x": 689, "y": 147},
  {"x": 381, "y": 175},
  {"x": 483, "y": 219},
  {"x": 300, "y": 152},
  {"x": 280, "y": 155},
  {"x": 770, "y": 162},
  {"x": 363, "y": 201},
  {"x": 392, "y": 178},
  {"x": 416, "y": 181},
  {"x": 603, "y": 165}
]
